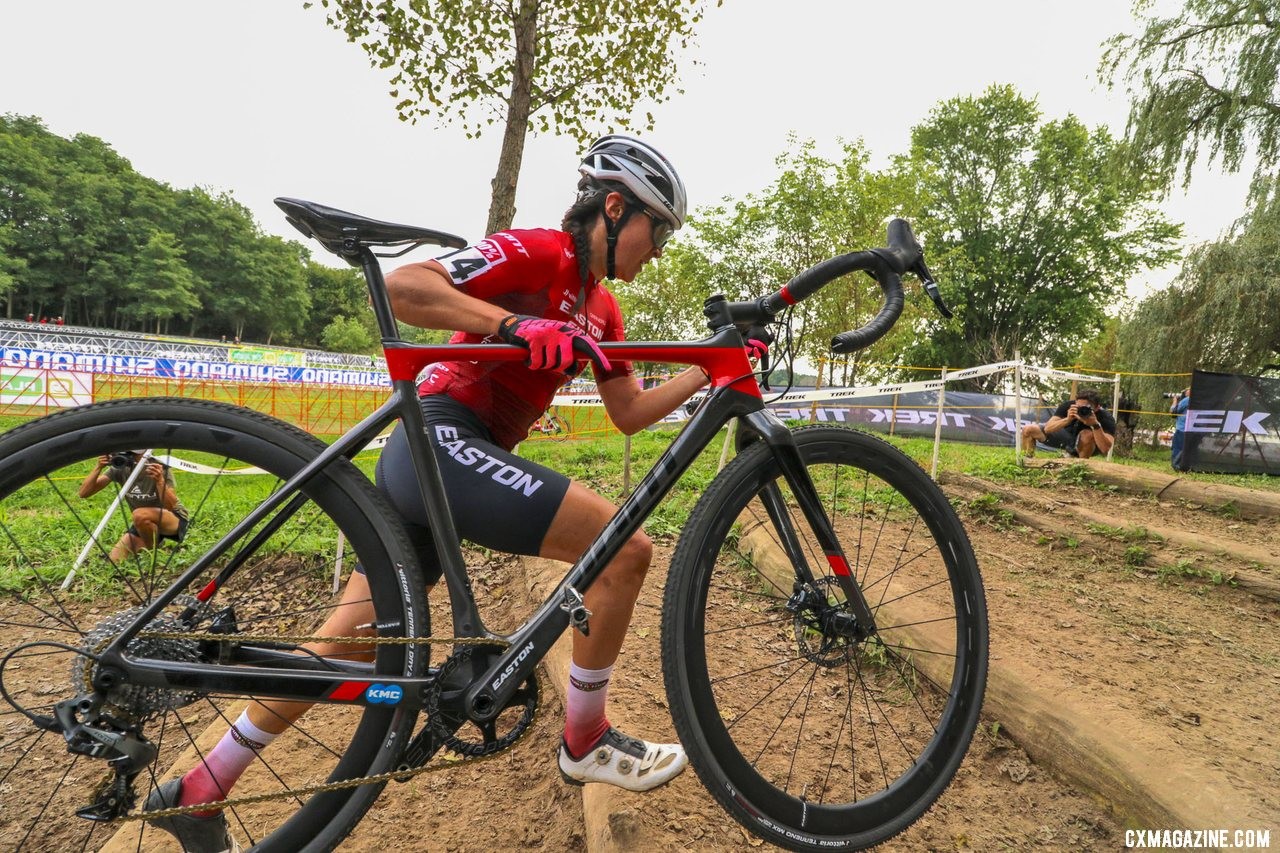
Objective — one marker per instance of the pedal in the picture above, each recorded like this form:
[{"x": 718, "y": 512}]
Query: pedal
[{"x": 579, "y": 615}]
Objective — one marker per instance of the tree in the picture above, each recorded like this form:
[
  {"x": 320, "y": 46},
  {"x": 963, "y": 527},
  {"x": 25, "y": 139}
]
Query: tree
[
  {"x": 160, "y": 286},
  {"x": 816, "y": 209},
  {"x": 335, "y": 293},
  {"x": 1220, "y": 313},
  {"x": 1207, "y": 76},
  {"x": 566, "y": 66},
  {"x": 348, "y": 334},
  {"x": 1031, "y": 229}
]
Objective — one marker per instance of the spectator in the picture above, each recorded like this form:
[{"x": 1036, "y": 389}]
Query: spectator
[
  {"x": 1079, "y": 427},
  {"x": 152, "y": 499},
  {"x": 31, "y": 318},
  {"x": 1179, "y": 408}
]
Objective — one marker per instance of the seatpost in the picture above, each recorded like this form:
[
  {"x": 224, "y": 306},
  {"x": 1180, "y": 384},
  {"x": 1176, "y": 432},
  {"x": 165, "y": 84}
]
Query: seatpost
[{"x": 378, "y": 294}]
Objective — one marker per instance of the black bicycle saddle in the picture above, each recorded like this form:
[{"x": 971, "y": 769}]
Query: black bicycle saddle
[{"x": 344, "y": 233}]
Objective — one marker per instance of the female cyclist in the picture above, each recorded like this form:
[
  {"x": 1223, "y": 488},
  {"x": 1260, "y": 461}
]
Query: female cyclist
[{"x": 539, "y": 289}]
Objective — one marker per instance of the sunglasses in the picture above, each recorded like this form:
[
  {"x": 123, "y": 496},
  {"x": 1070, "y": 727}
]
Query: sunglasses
[{"x": 662, "y": 229}]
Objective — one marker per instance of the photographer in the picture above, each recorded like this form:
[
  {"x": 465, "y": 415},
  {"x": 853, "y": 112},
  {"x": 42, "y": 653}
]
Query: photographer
[
  {"x": 152, "y": 499},
  {"x": 1080, "y": 427},
  {"x": 1181, "y": 401}
]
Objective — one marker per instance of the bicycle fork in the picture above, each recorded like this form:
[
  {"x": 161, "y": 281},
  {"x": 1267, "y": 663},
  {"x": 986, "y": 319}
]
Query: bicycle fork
[{"x": 775, "y": 434}]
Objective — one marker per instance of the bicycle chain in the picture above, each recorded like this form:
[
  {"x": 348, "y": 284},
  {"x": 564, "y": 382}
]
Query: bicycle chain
[{"x": 394, "y": 775}]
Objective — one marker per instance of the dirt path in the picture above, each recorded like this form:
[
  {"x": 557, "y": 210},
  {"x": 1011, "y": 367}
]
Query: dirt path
[{"x": 1192, "y": 668}]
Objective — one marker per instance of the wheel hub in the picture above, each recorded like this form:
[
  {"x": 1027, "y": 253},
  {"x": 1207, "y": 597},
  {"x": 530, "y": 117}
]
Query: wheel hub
[{"x": 826, "y": 632}]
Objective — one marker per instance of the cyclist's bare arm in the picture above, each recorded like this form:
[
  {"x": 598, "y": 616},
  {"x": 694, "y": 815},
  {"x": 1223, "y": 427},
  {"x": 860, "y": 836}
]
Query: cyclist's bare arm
[
  {"x": 422, "y": 296},
  {"x": 632, "y": 409}
]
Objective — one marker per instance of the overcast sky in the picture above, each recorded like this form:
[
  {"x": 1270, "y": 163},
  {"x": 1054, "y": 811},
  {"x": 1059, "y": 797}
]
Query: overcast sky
[{"x": 262, "y": 99}]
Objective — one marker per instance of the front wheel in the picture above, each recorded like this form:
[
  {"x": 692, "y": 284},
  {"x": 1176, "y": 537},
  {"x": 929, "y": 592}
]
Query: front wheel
[{"x": 811, "y": 736}]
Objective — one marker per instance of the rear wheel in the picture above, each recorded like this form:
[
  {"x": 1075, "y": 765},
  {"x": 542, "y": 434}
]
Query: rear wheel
[
  {"x": 225, "y": 461},
  {"x": 809, "y": 736}
]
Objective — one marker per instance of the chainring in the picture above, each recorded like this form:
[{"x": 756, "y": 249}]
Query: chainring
[{"x": 525, "y": 699}]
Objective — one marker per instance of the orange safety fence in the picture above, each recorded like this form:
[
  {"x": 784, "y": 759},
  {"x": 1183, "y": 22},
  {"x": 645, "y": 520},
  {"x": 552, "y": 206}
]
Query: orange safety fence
[{"x": 320, "y": 409}]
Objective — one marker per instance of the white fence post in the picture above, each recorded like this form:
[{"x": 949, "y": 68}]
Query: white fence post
[
  {"x": 1017, "y": 409},
  {"x": 1115, "y": 414},
  {"x": 937, "y": 427}
]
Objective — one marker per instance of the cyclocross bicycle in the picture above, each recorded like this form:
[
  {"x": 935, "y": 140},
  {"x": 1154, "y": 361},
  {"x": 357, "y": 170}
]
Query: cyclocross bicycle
[{"x": 824, "y": 629}]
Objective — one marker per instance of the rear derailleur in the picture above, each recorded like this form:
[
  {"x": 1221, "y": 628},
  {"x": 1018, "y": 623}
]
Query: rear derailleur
[{"x": 92, "y": 733}]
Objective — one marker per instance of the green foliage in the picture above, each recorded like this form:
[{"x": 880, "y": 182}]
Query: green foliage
[
  {"x": 987, "y": 507},
  {"x": 84, "y": 236},
  {"x": 348, "y": 334},
  {"x": 1137, "y": 555},
  {"x": 1123, "y": 533},
  {"x": 561, "y": 66},
  {"x": 160, "y": 285},
  {"x": 1205, "y": 77},
  {"x": 1220, "y": 313},
  {"x": 815, "y": 209},
  {"x": 1032, "y": 227}
]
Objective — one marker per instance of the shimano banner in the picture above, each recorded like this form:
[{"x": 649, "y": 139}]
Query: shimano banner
[
  {"x": 1233, "y": 424},
  {"x": 22, "y": 358}
]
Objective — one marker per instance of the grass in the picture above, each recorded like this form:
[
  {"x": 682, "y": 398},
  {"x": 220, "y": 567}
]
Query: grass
[
  {"x": 1124, "y": 534},
  {"x": 1157, "y": 459},
  {"x": 597, "y": 461}
]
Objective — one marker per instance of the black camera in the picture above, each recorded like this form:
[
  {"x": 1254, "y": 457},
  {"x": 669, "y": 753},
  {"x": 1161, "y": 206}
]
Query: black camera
[
  {"x": 1084, "y": 411},
  {"x": 122, "y": 460},
  {"x": 1172, "y": 395}
]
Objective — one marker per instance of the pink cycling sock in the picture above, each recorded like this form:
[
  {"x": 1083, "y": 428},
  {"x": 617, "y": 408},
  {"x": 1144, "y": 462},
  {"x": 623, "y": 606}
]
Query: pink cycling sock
[
  {"x": 584, "y": 719},
  {"x": 211, "y": 780}
]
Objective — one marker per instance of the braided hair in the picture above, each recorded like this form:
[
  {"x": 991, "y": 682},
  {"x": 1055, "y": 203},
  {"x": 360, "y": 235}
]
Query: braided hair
[{"x": 581, "y": 217}]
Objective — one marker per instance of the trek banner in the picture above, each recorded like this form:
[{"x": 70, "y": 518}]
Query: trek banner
[
  {"x": 966, "y": 416},
  {"x": 1233, "y": 424}
]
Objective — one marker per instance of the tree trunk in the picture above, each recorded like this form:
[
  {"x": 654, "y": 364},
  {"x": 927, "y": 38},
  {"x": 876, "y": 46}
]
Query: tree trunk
[{"x": 502, "y": 204}]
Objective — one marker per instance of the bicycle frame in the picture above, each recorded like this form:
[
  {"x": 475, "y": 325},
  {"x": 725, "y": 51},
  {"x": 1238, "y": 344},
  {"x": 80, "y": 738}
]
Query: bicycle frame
[{"x": 734, "y": 394}]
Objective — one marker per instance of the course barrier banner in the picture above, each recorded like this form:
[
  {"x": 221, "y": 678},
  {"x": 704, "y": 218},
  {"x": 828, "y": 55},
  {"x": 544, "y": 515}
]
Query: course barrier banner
[
  {"x": 966, "y": 416},
  {"x": 185, "y": 368},
  {"x": 1233, "y": 424},
  {"x": 44, "y": 388}
]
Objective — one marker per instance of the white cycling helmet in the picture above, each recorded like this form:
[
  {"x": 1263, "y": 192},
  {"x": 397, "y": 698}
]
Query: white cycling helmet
[{"x": 640, "y": 168}]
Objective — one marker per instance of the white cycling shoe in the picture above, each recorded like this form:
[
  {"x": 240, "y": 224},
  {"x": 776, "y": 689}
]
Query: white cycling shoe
[{"x": 625, "y": 761}]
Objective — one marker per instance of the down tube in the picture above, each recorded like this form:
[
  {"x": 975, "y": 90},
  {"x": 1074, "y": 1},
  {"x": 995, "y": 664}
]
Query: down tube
[{"x": 531, "y": 642}]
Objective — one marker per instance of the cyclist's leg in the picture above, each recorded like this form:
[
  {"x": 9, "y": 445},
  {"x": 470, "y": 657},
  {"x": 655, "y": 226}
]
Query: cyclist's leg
[
  {"x": 593, "y": 751},
  {"x": 611, "y": 599},
  {"x": 542, "y": 514}
]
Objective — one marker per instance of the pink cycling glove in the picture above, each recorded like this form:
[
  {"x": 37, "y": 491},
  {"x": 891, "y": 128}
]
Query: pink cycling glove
[{"x": 550, "y": 342}]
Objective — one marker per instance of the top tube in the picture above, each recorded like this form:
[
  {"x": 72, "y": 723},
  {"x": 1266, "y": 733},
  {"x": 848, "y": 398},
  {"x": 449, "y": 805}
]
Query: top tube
[{"x": 722, "y": 356}]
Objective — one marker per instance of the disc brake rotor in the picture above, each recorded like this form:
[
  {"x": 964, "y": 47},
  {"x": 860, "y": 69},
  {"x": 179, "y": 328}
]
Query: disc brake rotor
[{"x": 819, "y": 645}]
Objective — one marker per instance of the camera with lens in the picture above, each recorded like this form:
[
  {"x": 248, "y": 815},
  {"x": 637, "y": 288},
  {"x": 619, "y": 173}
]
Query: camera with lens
[
  {"x": 1172, "y": 395},
  {"x": 1084, "y": 411},
  {"x": 122, "y": 460}
]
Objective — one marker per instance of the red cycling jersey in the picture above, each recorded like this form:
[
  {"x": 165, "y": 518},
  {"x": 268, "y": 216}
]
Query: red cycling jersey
[{"x": 531, "y": 272}]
